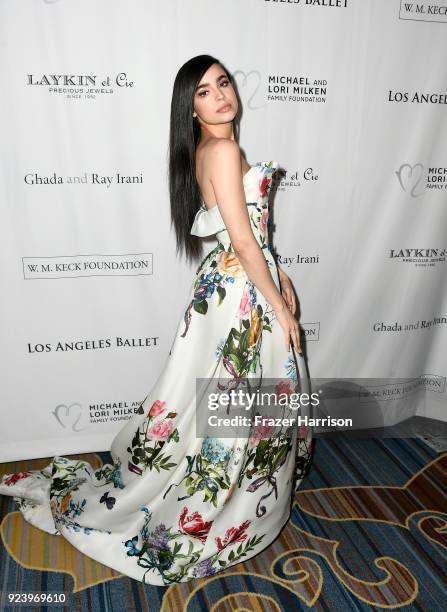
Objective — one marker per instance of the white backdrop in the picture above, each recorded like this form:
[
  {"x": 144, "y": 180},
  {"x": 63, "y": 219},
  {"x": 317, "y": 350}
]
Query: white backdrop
[{"x": 348, "y": 95}]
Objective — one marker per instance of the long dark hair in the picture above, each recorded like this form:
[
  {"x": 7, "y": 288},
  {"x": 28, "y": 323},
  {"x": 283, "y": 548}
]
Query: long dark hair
[{"x": 184, "y": 191}]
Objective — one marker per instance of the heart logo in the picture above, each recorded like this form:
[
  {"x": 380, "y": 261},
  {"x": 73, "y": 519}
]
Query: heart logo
[
  {"x": 68, "y": 416},
  {"x": 249, "y": 81},
  {"x": 407, "y": 181}
]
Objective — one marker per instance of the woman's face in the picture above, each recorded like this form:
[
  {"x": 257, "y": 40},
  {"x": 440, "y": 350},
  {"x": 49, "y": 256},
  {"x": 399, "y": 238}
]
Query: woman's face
[{"x": 215, "y": 100}]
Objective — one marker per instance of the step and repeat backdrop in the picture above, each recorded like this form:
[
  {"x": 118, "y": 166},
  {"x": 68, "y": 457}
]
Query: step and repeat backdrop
[{"x": 349, "y": 96}]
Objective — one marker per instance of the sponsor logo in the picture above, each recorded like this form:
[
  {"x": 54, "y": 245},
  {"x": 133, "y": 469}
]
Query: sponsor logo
[
  {"x": 68, "y": 416},
  {"x": 73, "y": 417},
  {"x": 85, "y": 345},
  {"x": 80, "y": 86},
  {"x": 92, "y": 178},
  {"x": 417, "y": 97},
  {"x": 421, "y": 258},
  {"x": 424, "y": 10},
  {"x": 415, "y": 179},
  {"x": 70, "y": 266},
  {"x": 287, "y": 261},
  {"x": 401, "y": 326}
]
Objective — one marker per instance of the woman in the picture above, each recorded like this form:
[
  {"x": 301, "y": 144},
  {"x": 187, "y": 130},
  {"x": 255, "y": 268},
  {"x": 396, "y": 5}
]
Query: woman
[{"x": 175, "y": 506}]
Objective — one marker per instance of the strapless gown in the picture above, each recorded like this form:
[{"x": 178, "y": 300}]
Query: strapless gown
[{"x": 174, "y": 506}]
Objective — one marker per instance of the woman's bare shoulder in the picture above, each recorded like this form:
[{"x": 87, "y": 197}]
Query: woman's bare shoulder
[
  {"x": 225, "y": 147},
  {"x": 218, "y": 147},
  {"x": 223, "y": 152},
  {"x": 217, "y": 153}
]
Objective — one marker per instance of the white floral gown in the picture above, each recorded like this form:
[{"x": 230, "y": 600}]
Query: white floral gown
[{"x": 173, "y": 506}]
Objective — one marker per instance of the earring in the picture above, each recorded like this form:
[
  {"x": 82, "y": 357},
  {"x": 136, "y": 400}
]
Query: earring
[{"x": 194, "y": 114}]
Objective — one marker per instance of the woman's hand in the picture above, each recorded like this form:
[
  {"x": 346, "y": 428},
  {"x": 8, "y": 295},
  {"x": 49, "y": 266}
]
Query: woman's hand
[
  {"x": 287, "y": 290},
  {"x": 290, "y": 327}
]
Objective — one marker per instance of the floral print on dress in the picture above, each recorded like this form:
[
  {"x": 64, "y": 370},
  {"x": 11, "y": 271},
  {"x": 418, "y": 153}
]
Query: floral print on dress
[
  {"x": 206, "y": 472},
  {"x": 8, "y": 481},
  {"x": 172, "y": 506},
  {"x": 147, "y": 444},
  {"x": 223, "y": 268},
  {"x": 241, "y": 351},
  {"x": 162, "y": 546}
]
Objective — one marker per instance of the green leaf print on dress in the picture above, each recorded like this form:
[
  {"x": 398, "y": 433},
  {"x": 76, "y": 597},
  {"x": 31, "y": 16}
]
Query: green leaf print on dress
[
  {"x": 206, "y": 471},
  {"x": 241, "y": 351},
  {"x": 217, "y": 270},
  {"x": 67, "y": 477},
  {"x": 164, "y": 546},
  {"x": 149, "y": 440}
]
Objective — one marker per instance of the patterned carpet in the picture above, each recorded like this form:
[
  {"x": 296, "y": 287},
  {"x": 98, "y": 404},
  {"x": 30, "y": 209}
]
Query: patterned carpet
[{"x": 368, "y": 531}]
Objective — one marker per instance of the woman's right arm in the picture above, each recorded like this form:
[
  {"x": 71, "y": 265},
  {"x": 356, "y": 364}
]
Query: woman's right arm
[{"x": 224, "y": 169}]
